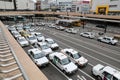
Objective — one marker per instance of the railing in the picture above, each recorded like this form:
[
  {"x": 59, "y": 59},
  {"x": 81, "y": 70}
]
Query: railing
[
  {"x": 15, "y": 64},
  {"x": 8, "y": 59}
]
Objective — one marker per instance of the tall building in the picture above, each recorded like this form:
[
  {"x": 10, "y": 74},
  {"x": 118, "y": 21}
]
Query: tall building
[
  {"x": 45, "y": 4},
  {"x": 81, "y": 6},
  {"x": 17, "y": 5},
  {"x": 6, "y": 5},
  {"x": 105, "y": 6},
  {"x": 65, "y": 6},
  {"x": 38, "y": 5}
]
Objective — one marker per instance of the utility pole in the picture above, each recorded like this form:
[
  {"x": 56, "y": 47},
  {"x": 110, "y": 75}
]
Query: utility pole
[{"x": 15, "y": 6}]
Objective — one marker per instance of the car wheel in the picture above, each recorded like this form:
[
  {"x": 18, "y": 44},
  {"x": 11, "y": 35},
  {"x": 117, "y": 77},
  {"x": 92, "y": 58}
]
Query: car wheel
[
  {"x": 98, "y": 39},
  {"x": 92, "y": 72},
  {"x": 89, "y": 37},
  {"x": 64, "y": 71},
  {"x": 99, "y": 78},
  {"x": 82, "y": 35},
  {"x": 110, "y": 43}
]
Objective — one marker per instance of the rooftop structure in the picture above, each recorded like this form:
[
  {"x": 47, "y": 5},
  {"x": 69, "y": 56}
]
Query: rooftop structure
[
  {"x": 110, "y": 7},
  {"x": 17, "y": 5}
]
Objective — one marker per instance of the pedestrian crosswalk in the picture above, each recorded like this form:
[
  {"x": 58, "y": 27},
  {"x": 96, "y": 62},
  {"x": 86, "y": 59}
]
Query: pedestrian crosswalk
[
  {"x": 39, "y": 28},
  {"x": 81, "y": 77}
]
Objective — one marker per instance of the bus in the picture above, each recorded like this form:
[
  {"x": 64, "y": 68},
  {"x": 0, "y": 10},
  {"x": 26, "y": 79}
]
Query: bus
[
  {"x": 20, "y": 18},
  {"x": 68, "y": 23}
]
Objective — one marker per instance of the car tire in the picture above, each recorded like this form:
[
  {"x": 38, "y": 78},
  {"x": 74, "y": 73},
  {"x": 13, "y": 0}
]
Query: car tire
[
  {"x": 99, "y": 78},
  {"x": 64, "y": 71},
  {"x": 92, "y": 72},
  {"x": 98, "y": 39}
]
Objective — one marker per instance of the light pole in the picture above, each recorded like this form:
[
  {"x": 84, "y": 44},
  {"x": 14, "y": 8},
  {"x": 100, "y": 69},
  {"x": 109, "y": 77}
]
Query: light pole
[{"x": 15, "y": 6}]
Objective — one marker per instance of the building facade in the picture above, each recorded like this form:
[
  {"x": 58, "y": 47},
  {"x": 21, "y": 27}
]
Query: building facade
[
  {"x": 81, "y": 6},
  {"x": 17, "y": 5},
  {"x": 111, "y": 7},
  {"x": 45, "y": 4},
  {"x": 65, "y": 6},
  {"x": 6, "y": 5}
]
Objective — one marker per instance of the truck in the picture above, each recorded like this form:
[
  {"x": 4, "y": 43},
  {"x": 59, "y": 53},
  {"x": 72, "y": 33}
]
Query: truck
[
  {"x": 63, "y": 62},
  {"x": 105, "y": 72}
]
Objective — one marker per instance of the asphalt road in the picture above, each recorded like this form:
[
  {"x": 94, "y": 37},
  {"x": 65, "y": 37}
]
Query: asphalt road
[{"x": 96, "y": 52}]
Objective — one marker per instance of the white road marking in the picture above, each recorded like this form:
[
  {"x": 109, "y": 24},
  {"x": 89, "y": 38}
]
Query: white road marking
[
  {"x": 91, "y": 50},
  {"x": 105, "y": 49},
  {"x": 78, "y": 69},
  {"x": 83, "y": 77},
  {"x": 60, "y": 71},
  {"x": 86, "y": 74},
  {"x": 57, "y": 68},
  {"x": 79, "y": 78},
  {"x": 89, "y": 55}
]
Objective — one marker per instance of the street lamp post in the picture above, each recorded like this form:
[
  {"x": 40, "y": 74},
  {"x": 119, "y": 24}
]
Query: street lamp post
[
  {"x": 105, "y": 26},
  {"x": 15, "y": 6},
  {"x": 83, "y": 22}
]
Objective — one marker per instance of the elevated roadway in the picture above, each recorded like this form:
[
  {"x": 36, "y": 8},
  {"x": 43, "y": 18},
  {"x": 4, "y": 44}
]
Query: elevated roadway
[{"x": 8, "y": 13}]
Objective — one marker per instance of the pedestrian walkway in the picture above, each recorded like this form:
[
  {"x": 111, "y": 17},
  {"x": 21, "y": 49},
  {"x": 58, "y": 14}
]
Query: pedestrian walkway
[
  {"x": 10, "y": 68},
  {"x": 13, "y": 58}
]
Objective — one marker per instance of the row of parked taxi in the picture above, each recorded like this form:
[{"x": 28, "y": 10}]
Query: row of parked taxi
[
  {"x": 100, "y": 71},
  {"x": 68, "y": 59},
  {"x": 91, "y": 35},
  {"x": 44, "y": 50}
]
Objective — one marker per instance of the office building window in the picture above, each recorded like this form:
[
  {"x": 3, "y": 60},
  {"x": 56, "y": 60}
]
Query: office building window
[
  {"x": 114, "y": 0},
  {"x": 112, "y": 5}
]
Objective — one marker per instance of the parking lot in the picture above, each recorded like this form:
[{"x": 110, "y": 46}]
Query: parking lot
[{"x": 94, "y": 51}]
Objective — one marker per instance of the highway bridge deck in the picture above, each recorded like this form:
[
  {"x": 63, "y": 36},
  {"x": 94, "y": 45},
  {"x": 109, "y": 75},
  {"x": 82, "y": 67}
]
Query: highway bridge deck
[{"x": 6, "y": 13}]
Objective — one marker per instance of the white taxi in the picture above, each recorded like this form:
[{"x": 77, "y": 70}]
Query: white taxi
[
  {"x": 38, "y": 57},
  {"x": 75, "y": 56},
  {"x": 63, "y": 62},
  {"x": 51, "y": 43},
  {"x": 22, "y": 41},
  {"x": 44, "y": 47}
]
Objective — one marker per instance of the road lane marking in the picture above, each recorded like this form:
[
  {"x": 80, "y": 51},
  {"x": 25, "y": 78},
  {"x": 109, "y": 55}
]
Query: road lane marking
[
  {"x": 60, "y": 71},
  {"x": 57, "y": 68},
  {"x": 90, "y": 49},
  {"x": 86, "y": 74},
  {"x": 108, "y": 50},
  {"x": 79, "y": 78},
  {"x": 79, "y": 69},
  {"x": 83, "y": 77},
  {"x": 105, "y": 49},
  {"x": 88, "y": 55}
]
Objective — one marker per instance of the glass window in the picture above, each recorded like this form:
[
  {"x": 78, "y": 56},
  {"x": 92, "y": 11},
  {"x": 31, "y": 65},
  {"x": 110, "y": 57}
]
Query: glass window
[
  {"x": 65, "y": 61},
  {"x": 114, "y": 0},
  {"x": 51, "y": 42},
  {"x": 32, "y": 38},
  {"x": 76, "y": 56},
  {"x": 112, "y": 5},
  {"x": 39, "y": 55},
  {"x": 21, "y": 40},
  {"x": 44, "y": 47},
  {"x": 114, "y": 78},
  {"x": 67, "y": 53},
  {"x": 107, "y": 75}
]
